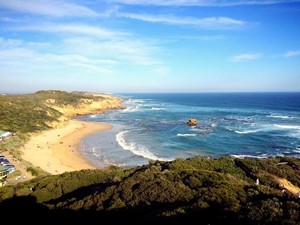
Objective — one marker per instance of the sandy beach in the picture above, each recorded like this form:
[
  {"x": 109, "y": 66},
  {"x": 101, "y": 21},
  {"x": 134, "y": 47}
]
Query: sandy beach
[{"x": 58, "y": 150}]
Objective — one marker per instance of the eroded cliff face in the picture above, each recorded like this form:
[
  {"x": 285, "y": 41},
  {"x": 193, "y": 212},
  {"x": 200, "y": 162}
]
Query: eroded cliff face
[{"x": 99, "y": 104}]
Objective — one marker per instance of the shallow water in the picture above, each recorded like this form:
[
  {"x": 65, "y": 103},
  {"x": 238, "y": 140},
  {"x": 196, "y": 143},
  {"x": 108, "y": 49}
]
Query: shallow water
[{"x": 153, "y": 126}]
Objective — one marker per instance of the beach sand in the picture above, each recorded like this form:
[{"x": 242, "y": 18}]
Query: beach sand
[{"x": 58, "y": 150}]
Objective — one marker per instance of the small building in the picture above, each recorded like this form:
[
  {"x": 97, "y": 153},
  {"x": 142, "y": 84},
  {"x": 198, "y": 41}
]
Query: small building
[
  {"x": 4, "y": 135},
  {"x": 3, "y": 175}
]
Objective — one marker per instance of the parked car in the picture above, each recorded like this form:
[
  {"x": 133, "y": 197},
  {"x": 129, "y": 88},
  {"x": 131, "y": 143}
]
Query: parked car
[
  {"x": 11, "y": 169},
  {"x": 5, "y": 163}
]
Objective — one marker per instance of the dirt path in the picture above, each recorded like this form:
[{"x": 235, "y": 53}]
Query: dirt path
[{"x": 288, "y": 186}]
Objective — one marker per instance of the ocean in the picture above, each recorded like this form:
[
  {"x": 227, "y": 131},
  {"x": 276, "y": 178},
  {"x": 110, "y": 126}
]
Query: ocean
[{"x": 153, "y": 127}]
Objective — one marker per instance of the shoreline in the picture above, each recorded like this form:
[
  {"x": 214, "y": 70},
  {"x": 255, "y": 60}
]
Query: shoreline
[{"x": 58, "y": 150}]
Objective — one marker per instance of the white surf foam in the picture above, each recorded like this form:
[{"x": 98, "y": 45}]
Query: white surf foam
[
  {"x": 293, "y": 127},
  {"x": 133, "y": 105},
  {"x": 280, "y": 116},
  {"x": 247, "y": 131},
  {"x": 250, "y": 156},
  {"x": 187, "y": 135},
  {"x": 135, "y": 101},
  {"x": 95, "y": 153},
  {"x": 136, "y": 149},
  {"x": 156, "y": 108},
  {"x": 297, "y": 150},
  {"x": 131, "y": 109},
  {"x": 269, "y": 127}
]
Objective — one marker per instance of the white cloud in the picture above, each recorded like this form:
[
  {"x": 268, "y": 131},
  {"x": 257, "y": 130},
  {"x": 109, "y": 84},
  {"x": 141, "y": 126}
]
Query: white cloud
[
  {"x": 292, "y": 54},
  {"x": 245, "y": 57},
  {"x": 161, "y": 70},
  {"x": 98, "y": 66},
  {"x": 27, "y": 57},
  {"x": 9, "y": 19},
  {"x": 98, "y": 32},
  {"x": 5, "y": 43},
  {"x": 55, "y": 8},
  {"x": 15, "y": 54},
  {"x": 15, "y": 43},
  {"x": 209, "y": 22},
  {"x": 82, "y": 55},
  {"x": 198, "y": 38},
  {"x": 79, "y": 59},
  {"x": 30, "y": 61},
  {"x": 203, "y": 38},
  {"x": 217, "y": 3},
  {"x": 131, "y": 51}
]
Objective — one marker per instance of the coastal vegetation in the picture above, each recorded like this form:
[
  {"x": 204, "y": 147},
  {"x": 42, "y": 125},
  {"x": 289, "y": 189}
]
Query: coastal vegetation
[
  {"x": 25, "y": 115},
  {"x": 35, "y": 112},
  {"x": 195, "y": 191},
  {"x": 199, "y": 190}
]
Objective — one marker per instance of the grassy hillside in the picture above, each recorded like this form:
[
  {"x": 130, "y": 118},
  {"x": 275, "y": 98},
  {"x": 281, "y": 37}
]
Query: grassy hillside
[
  {"x": 192, "y": 191},
  {"x": 29, "y": 113},
  {"x": 32, "y": 112}
]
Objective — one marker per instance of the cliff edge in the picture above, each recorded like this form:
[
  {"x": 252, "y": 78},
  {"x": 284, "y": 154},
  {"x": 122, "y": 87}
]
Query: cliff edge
[{"x": 47, "y": 109}]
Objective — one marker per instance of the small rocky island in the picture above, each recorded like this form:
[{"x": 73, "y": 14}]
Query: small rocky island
[{"x": 192, "y": 122}]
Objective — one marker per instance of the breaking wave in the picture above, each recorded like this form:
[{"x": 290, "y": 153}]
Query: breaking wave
[
  {"x": 156, "y": 108},
  {"x": 251, "y": 156},
  {"x": 187, "y": 135},
  {"x": 247, "y": 131},
  {"x": 280, "y": 117},
  {"x": 136, "y": 149},
  {"x": 288, "y": 127}
]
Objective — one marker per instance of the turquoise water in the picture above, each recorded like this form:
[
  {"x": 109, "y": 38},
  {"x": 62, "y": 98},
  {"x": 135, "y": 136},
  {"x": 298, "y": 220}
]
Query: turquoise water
[{"x": 153, "y": 126}]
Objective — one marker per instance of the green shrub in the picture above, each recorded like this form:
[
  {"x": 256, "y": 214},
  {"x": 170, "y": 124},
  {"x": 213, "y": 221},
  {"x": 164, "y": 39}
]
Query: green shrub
[{"x": 33, "y": 171}]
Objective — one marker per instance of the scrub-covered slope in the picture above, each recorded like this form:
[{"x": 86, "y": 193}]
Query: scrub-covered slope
[{"x": 198, "y": 191}]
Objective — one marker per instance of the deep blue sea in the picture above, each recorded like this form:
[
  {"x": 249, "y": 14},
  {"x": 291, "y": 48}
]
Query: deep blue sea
[{"x": 153, "y": 126}]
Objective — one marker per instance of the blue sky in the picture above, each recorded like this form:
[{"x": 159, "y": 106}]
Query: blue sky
[{"x": 120, "y": 46}]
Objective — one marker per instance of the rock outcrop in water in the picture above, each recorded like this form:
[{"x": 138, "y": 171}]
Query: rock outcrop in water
[{"x": 192, "y": 122}]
